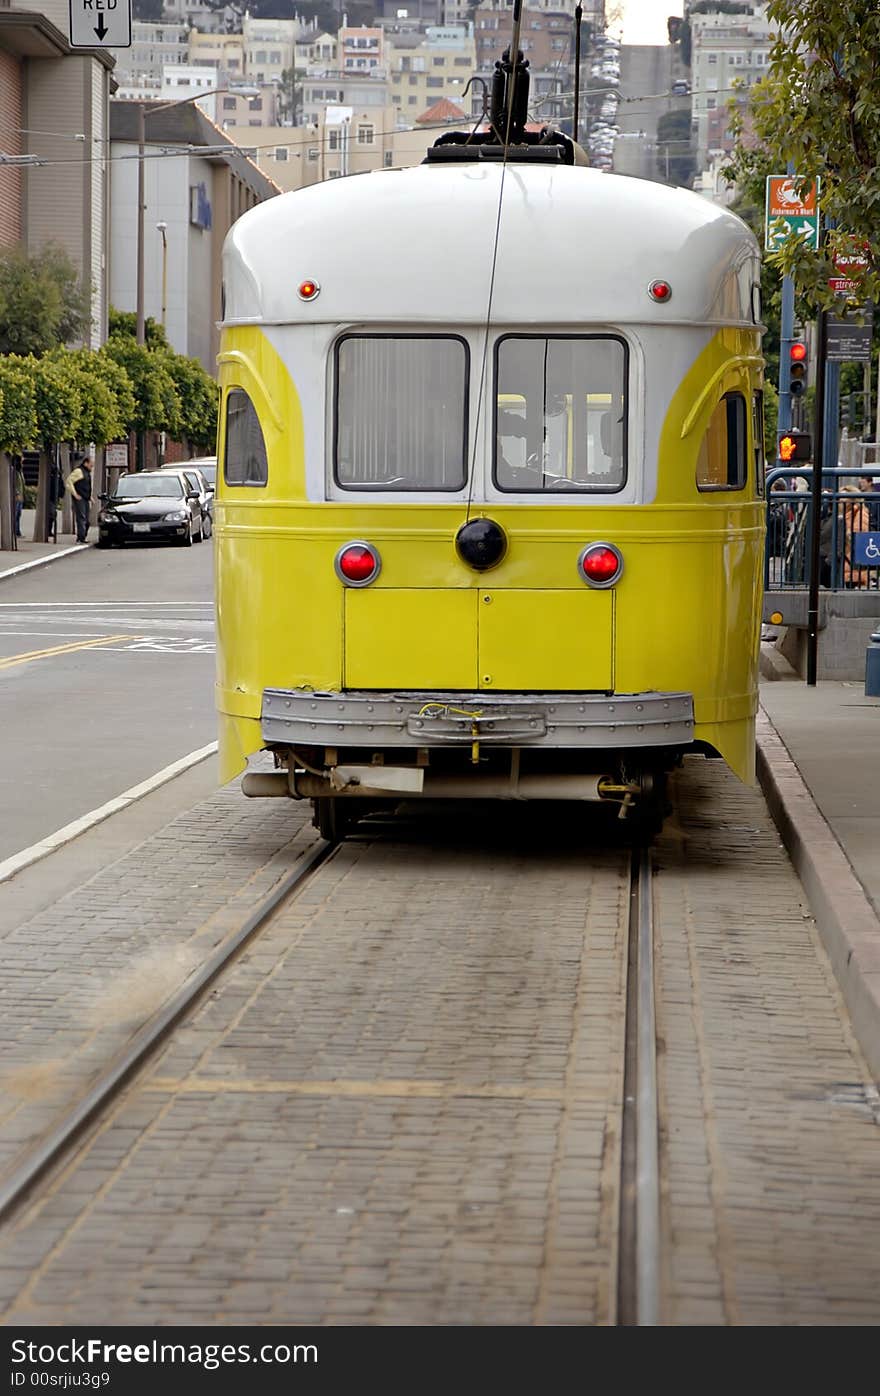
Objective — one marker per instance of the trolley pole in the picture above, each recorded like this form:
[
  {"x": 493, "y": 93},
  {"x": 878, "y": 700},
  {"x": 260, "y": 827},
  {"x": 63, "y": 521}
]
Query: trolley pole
[{"x": 578, "y": 16}]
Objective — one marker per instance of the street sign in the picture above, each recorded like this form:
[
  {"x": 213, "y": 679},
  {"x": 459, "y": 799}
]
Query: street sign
[
  {"x": 116, "y": 455},
  {"x": 866, "y": 549},
  {"x": 849, "y": 267},
  {"x": 788, "y": 211},
  {"x": 100, "y": 23},
  {"x": 846, "y": 341}
]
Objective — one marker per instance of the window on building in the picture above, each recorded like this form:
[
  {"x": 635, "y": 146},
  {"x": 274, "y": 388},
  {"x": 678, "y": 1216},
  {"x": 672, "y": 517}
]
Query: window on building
[
  {"x": 560, "y": 413},
  {"x": 275, "y": 56},
  {"x": 229, "y": 104},
  {"x": 255, "y": 104},
  {"x": 722, "y": 460},
  {"x": 462, "y": 62},
  {"x": 261, "y": 56},
  {"x": 401, "y": 412},
  {"x": 332, "y": 140},
  {"x": 334, "y": 174},
  {"x": 413, "y": 82},
  {"x": 312, "y": 153},
  {"x": 281, "y": 152},
  {"x": 244, "y": 457},
  {"x": 438, "y": 62},
  {"x": 436, "y": 82},
  {"x": 710, "y": 104},
  {"x": 712, "y": 58},
  {"x": 365, "y": 135},
  {"x": 412, "y": 101},
  {"x": 388, "y": 159}
]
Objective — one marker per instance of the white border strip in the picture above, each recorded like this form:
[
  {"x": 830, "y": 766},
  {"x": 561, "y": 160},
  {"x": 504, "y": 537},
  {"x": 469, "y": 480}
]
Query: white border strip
[
  {"x": 41, "y": 561},
  {"x": 87, "y": 821}
]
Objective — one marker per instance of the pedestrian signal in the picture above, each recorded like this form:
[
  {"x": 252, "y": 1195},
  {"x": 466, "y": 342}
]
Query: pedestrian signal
[
  {"x": 795, "y": 445},
  {"x": 797, "y": 367}
]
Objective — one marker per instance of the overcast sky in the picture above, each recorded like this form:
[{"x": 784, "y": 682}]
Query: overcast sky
[{"x": 644, "y": 21}]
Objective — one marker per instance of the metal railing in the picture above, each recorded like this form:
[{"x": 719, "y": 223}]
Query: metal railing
[{"x": 846, "y": 561}]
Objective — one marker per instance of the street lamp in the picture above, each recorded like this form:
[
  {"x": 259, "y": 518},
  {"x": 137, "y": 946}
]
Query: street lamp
[
  {"x": 140, "y": 330},
  {"x": 163, "y": 229}
]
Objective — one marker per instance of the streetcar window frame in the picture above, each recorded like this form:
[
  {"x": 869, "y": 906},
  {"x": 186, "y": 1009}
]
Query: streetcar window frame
[
  {"x": 759, "y": 447},
  {"x": 260, "y": 454},
  {"x": 736, "y": 428},
  {"x": 384, "y": 486},
  {"x": 567, "y": 490}
]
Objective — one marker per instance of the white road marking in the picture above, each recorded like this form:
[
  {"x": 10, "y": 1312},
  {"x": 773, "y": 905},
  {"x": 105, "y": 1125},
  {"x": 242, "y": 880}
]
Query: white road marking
[
  {"x": 67, "y": 605},
  {"x": 12, "y": 865}
]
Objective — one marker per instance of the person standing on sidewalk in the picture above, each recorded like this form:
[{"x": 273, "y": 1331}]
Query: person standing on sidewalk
[
  {"x": 79, "y": 482},
  {"x": 19, "y": 497}
]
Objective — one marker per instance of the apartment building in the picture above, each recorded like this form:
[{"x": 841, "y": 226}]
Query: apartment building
[
  {"x": 362, "y": 51},
  {"x": 268, "y": 46},
  {"x": 222, "y": 52},
  {"x": 53, "y": 117},
  {"x": 729, "y": 52},
  {"x": 197, "y": 196},
  {"x": 153, "y": 48},
  {"x": 438, "y": 65}
]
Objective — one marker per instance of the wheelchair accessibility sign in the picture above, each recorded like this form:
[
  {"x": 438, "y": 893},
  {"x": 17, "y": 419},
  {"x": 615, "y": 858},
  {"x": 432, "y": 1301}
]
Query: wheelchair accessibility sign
[{"x": 866, "y": 549}]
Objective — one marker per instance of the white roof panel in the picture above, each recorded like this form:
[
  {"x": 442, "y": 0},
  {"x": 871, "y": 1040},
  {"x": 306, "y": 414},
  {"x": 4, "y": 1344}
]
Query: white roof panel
[{"x": 575, "y": 246}]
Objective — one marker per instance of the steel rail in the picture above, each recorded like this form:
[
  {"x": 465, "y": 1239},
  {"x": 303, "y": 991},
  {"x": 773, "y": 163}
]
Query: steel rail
[
  {"x": 638, "y": 1284},
  {"x": 39, "y": 1158}
]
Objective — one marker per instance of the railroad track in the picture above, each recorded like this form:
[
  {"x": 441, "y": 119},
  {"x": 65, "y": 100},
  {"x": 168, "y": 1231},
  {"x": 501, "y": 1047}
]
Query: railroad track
[
  {"x": 428, "y": 1081},
  {"x": 636, "y": 1283}
]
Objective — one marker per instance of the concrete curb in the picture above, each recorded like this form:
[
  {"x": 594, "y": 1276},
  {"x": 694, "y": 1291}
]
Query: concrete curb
[
  {"x": 42, "y": 561},
  {"x": 848, "y": 925}
]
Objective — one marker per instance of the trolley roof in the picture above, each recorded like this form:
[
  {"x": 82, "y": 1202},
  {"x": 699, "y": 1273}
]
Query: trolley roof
[{"x": 417, "y": 245}]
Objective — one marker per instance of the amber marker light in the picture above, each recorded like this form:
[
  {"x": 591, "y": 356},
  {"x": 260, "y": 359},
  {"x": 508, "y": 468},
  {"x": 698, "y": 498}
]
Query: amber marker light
[{"x": 308, "y": 290}]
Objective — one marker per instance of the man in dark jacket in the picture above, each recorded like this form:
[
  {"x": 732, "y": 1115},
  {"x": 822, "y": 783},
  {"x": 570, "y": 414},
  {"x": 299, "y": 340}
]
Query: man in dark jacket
[{"x": 79, "y": 482}]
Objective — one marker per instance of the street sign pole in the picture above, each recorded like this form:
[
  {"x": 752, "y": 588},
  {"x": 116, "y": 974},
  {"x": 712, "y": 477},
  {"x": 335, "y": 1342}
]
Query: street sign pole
[{"x": 816, "y": 514}]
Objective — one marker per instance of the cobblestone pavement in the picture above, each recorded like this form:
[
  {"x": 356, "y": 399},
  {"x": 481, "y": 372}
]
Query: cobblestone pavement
[
  {"x": 81, "y": 977},
  {"x": 402, "y": 1105}
]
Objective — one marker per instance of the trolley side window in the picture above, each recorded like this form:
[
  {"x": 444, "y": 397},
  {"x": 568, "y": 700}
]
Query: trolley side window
[
  {"x": 244, "y": 457},
  {"x": 560, "y": 413},
  {"x": 401, "y": 412},
  {"x": 722, "y": 463},
  {"x": 758, "y": 430}
]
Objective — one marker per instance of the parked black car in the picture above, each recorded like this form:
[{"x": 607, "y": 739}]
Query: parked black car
[{"x": 150, "y": 504}]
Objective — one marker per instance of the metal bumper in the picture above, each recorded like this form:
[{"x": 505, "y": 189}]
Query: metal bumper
[{"x": 561, "y": 720}]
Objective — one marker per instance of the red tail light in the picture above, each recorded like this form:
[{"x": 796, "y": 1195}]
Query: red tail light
[
  {"x": 600, "y": 565},
  {"x": 357, "y": 564}
]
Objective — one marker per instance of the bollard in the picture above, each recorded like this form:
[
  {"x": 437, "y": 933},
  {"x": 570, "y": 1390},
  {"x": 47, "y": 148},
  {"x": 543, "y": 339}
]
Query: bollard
[{"x": 872, "y": 667}]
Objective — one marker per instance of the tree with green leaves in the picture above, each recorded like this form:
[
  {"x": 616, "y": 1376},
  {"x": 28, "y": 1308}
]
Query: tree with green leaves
[
  {"x": 18, "y": 429},
  {"x": 199, "y": 397},
  {"x": 43, "y": 300},
  {"x": 157, "y": 405},
  {"x": 819, "y": 107}
]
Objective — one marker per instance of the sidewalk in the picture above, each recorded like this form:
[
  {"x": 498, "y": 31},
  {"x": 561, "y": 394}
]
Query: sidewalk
[
  {"x": 819, "y": 768},
  {"x": 832, "y": 732},
  {"x": 28, "y": 552}
]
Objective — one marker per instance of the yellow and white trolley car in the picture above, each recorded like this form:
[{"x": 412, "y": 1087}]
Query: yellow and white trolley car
[{"x": 488, "y": 507}]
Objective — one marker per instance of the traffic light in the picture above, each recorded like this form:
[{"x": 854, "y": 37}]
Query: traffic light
[
  {"x": 794, "y": 446},
  {"x": 797, "y": 367}
]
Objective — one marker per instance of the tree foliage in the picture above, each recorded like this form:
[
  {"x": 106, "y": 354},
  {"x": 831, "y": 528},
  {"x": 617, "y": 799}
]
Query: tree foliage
[
  {"x": 675, "y": 156},
  {"x": 156, "y": 403},
  {"x": 819, "y": 107},
  {"x": 18, "y": 406},
  {"x": 199, "y": 395},
  {"x": 59, "y": 392},
  {"x": 43, "y": 300}
]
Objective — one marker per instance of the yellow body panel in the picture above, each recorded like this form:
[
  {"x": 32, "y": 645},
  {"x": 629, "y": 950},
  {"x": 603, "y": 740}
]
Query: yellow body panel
[
  {"x": 545, "y": 640},
  {"x": 684, "y": 617},
  {"x": 418, "y": 638}
]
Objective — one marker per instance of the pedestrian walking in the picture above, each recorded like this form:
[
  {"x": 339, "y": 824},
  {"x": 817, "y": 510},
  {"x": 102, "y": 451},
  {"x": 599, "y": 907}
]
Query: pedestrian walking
[
  {"x": 79, "y": 483},
  {"x": 19, "y": 497}
]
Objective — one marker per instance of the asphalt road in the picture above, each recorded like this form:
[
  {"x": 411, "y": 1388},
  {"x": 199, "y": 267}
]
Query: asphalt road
[
  {"x": 106, "y": 677},
  {"x": 645, "y": 75}
]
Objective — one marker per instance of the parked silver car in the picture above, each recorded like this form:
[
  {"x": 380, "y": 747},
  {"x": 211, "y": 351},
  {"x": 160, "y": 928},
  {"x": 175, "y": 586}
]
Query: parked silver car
[{"x": 193, "y": 477}]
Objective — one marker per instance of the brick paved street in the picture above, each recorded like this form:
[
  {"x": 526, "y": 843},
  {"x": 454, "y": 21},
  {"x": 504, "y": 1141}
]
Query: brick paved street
[{"x": 402, "y": 1104}]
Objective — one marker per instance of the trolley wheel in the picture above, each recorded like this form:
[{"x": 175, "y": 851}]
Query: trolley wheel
[
  {"x": 646, "y": 818},
  {"x": 331, "y": 819}
]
